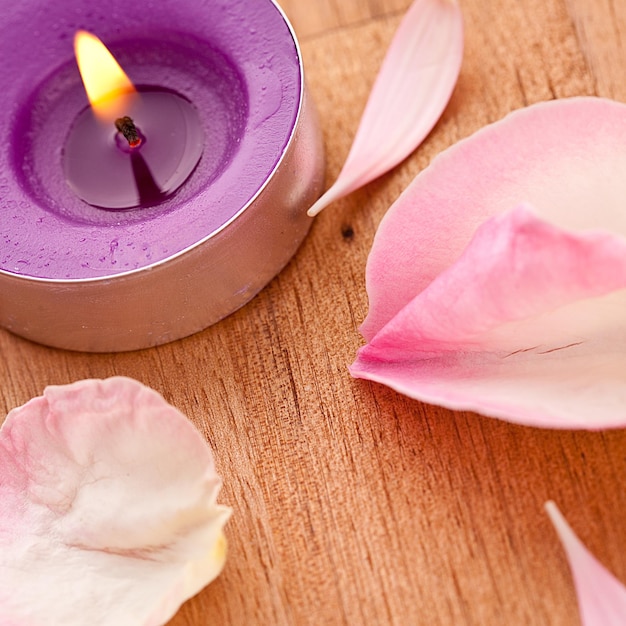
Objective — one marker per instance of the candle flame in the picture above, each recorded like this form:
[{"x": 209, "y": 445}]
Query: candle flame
[{"x": 109, "y": 90}]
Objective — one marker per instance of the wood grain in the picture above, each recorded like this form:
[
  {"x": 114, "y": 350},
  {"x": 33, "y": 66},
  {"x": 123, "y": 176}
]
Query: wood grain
[
  {"x": 331, "y": 15},
  {"x": 352, "y": 504}
]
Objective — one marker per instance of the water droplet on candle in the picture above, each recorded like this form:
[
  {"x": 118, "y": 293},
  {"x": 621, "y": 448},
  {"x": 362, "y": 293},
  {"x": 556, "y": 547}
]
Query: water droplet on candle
[{"x": 113, "y": 246}]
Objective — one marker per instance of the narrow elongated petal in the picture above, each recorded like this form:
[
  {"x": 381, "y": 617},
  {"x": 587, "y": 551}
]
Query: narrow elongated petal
[
  {"x": 108, "y": 509},
  {"x": 601, "y": 597},
  {"x": 522, "y": 317},
  {"x": 411, "y": 92}
]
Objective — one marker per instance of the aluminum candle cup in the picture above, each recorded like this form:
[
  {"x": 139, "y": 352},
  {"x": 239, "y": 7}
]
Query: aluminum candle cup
[{"x": 81, "y": 277}]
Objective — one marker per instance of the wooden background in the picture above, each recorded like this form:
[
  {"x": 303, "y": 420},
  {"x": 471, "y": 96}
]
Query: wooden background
[{"x": 352, "y": 504}]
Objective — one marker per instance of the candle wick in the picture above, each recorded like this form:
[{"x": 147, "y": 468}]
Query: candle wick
[{"x": 127, "y": 127}]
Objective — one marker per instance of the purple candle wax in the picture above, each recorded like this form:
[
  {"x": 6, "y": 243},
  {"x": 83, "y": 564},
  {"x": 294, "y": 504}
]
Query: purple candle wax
[
  {"x": 202, "y": 252},
  {"x": 236, "y": 62},
  {"x": 106, "y": 171}
]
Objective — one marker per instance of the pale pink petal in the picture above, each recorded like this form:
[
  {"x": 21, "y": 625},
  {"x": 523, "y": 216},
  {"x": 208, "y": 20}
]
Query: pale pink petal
[
  {"x": 411, "y": 91},
  {"x": 108, "y": 509},
  {"x": 527, "y": 325},
  {"x": 601, "y": 597},
  {"x": 525, "y": 322},
  {"x": 566, "y": 158}
]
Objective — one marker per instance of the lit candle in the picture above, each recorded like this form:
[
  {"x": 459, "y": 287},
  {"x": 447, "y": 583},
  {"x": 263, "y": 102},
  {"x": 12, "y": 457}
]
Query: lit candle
[
  {"x": 107, "y": 246},
  {"x": 108, "y": 160}
]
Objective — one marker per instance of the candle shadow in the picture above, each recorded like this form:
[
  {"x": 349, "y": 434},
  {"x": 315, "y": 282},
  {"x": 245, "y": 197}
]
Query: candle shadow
[{"x": 149, "y": 191}]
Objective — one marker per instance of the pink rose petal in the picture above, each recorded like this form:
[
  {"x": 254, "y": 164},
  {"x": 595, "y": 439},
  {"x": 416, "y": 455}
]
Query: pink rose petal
[
  {"x": 517, "y": 328},
  {"x": 566, "y": 158},
  {"x": 108, "y": 509},
  {"x": 524, "y": 321},
  {"x": 601, "y": 597},
  {"x": 411, "y": 91}
]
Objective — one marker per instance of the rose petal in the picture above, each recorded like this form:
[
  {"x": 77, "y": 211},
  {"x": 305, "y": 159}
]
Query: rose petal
[
  {"x": 601, "y": 597},
  {"x": 108, "y": 509},
  {"x": 523, "y": 326},
  {"x": 566, "y": 158},
  {"x": 411, "y": 91}
]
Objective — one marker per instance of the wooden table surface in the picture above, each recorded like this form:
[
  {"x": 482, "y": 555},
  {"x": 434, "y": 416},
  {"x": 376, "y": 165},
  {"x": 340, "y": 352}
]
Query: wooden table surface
[{"x": 353, "y": 504}]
